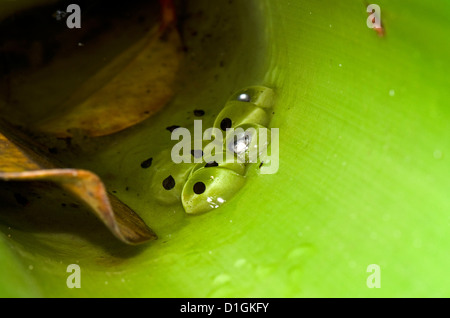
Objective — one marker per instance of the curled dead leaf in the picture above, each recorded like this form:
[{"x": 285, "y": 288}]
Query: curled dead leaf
[
  {"x": 133, "y": 87},
  {"x": 114, "y": 72},
  {"x": 18, "y": 164}
]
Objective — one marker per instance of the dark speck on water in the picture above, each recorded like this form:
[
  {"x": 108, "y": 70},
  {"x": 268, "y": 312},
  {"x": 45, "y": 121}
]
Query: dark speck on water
[
  {"x": 147, "y": 163},
  {"x": 225, "y": 123},
  {"x": 169, "y": 183},
  {"x": 199, "y": 188},
  {"x": 211, "y": 164},
  {"x": 199, "y": 112},
  {"x": 172, "y": 128},
  {"x": 197, "y": 153}
]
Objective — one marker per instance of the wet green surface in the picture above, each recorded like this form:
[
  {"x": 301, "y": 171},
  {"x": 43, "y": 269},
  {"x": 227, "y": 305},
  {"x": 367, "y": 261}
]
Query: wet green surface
[{"x": 363, "y": 177}]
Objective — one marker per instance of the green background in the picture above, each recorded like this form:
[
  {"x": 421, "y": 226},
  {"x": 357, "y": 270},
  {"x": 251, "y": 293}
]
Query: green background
[{"x": 364, "y": 174}]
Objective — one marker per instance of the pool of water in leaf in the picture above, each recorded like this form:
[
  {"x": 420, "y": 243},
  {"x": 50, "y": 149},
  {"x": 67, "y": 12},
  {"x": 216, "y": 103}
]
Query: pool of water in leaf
[{"x": 225, "y": 49}]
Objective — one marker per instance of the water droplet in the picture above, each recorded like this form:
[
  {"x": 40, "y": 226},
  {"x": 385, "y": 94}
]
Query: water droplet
[
  {"x": 437, "y": 154},
  {"x": 298, "y": 253},
  {"x": 391, "y": 92},
  {"x": 240, "y": 143},
  {"x": 221, "y": 279},
  {"x": 30, "y": 267},
  {"x": 59, "y": 15},
  {"x": 340, "y": 65},
  {"x": 106, "y": 282},
  {"x": 244, "y": 98},
  {"x": 240, "y": 262}
]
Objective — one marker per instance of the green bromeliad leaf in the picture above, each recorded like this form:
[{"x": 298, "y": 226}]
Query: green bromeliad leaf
[{"x": 363, "y": 172}]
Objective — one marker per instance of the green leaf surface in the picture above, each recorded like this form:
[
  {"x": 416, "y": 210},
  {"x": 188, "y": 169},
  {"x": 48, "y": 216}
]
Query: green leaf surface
[{"x": 363, "y": 177}]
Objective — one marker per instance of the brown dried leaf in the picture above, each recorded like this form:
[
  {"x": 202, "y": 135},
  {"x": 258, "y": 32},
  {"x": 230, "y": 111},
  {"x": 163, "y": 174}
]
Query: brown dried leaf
[
  {"x": 133, "y": 87},
  {"x": 18, "y": 164}
]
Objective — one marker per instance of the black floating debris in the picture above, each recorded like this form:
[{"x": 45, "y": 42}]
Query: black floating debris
[
  {"x": 211, "y": 164},
  {"x": 225, "y": 124},
  {"x": 199, "y": 188},
  {"x": 169, "y": 183},
  {"x": 147, "y": 163},
  {"x": 197, "y": 153},
  {"x": 199, "y": 112},
  {"x": 172, "y": 128}
]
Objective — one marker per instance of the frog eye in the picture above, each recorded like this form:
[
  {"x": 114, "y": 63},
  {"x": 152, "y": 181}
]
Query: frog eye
[
  {"x": 209, "y": 188},
  {"x": 261, "y": 96},
  {"x": 236, "y": 113},
  {"x": 168, "y": 178},
  {"x": 248, "y": 142}
]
